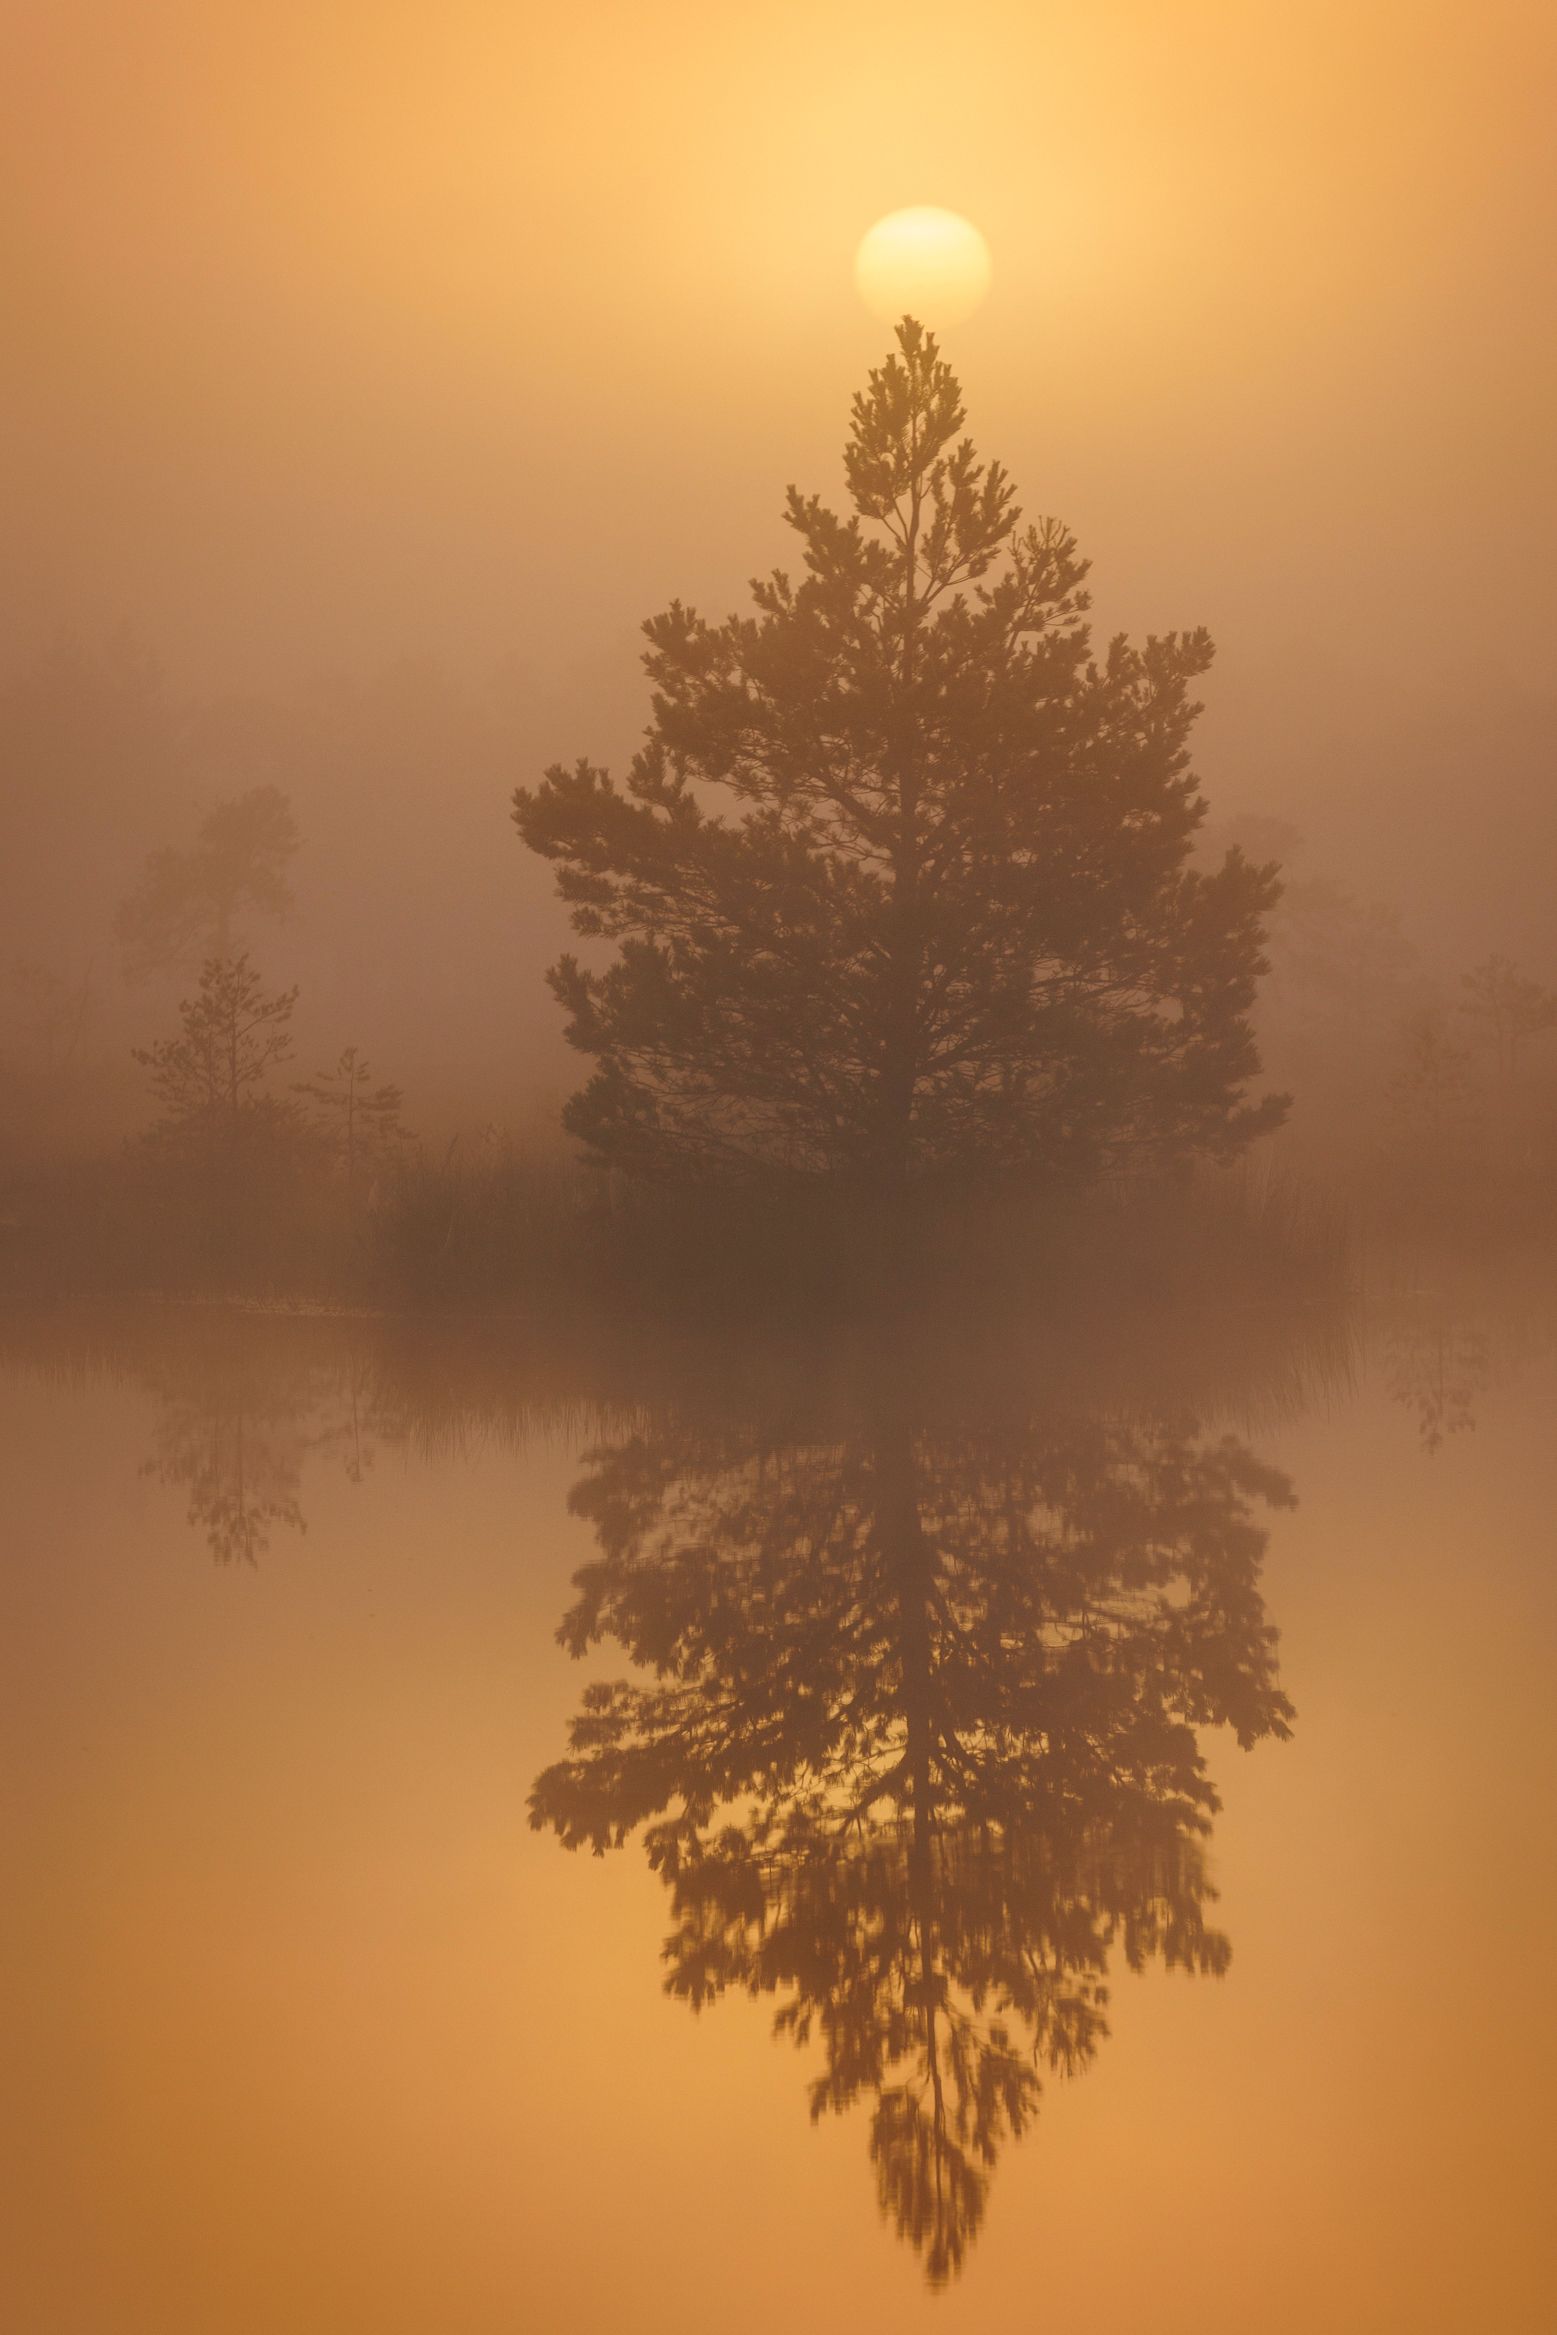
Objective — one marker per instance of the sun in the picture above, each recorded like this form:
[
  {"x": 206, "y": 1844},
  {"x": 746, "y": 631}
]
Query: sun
[{"x": 922, "y": 262}]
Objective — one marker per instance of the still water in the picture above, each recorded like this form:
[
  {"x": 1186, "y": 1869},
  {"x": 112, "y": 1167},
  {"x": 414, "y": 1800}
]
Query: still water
[{"x": 993, "y": 1924}]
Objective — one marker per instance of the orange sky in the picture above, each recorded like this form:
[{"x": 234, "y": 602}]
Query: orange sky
[
  {"x": 347, "y": 327},
  {"x": 348, "y": 330}
]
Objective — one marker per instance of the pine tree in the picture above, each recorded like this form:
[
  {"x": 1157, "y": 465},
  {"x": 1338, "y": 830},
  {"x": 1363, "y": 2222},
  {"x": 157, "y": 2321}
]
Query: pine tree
[
  {"x": 188, "y": 905},
  {"x": 900, "y": 878},
  {"x": 1508, "y": 1007},
  {"x": 211, "y": 1077},
  {"x": 1432, "y": 1089},
  {"x": 361, "y": 1121}
]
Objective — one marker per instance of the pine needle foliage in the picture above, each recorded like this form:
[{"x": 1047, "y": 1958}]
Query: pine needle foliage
[
  {"x": 900, "y": 880},
  {"x": 211, "y": 1076},
  {"x": 360, "y": 1121}
]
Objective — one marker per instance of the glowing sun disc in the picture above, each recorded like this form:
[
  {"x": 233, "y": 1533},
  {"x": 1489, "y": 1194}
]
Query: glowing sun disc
[{"x": 922, "y": 262}]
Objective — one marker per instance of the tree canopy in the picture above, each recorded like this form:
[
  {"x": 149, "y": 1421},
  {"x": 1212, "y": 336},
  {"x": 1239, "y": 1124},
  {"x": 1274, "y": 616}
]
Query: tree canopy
[
  {"x": 900, "y": 879},
  {"x": 360, "y": 1121},
  {"x": 1509, "y": 1007},
  {"x": 188, "y": 905},
  {"x": 211, "y": 1078}
]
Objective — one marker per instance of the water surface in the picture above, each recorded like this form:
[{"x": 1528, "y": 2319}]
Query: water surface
[{"x": 994, "y": 1924}]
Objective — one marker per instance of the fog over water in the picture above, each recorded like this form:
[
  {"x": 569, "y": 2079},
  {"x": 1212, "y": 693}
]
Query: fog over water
[
  {"x": 319, "y": 2027},
  {"x": 778, "y": 1315}
]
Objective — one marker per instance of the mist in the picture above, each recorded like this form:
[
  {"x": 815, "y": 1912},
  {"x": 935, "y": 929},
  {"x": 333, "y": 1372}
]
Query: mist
[
  {"x": 778, "y": 1097},
  {"x": 374, "y": 376}
]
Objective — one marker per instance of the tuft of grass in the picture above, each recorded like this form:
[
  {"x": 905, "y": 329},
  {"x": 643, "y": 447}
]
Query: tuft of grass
[
  {"x": 489, "y": 1224},
  {"x": 482, "y": 1221}
]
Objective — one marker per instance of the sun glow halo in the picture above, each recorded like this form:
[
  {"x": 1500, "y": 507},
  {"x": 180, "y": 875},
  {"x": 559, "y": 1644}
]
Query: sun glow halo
[{"x": 923, "y": 262}]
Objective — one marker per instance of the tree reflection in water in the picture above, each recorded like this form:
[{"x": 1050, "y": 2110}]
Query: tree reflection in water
[
  {"x": 914, "y": 1745},
  {"x": 914, "y": 1736},
  {"x": 238, "y": 1419}
]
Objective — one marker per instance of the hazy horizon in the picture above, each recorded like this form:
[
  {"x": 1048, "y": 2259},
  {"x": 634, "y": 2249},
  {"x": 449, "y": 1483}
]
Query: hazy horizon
[{"x": 363, "y": 339}]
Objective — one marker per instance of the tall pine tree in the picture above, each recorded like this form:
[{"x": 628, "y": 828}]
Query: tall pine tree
[{"x": 900, "y": 879}]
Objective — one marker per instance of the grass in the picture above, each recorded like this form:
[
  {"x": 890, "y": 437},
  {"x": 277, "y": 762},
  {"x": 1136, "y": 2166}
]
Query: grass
[{"x": 486, "y": 1225}]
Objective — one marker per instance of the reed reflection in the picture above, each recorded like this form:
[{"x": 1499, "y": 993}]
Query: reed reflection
[{"x": 915, "y": 1744}]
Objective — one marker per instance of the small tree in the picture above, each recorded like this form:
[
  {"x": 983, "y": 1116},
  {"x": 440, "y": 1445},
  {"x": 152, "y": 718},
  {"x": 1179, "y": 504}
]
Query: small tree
[
  {"x": 1508, "y": 1008},
  {"x": 211, "y": 1077},
  {"x": 1339, "y": 960},
  {"x": 1432, "y": 1090},
  {"x": 947, "y": 920},
  {"x": 360, "y": 1121},
  {"x": 188, "y": 904}
]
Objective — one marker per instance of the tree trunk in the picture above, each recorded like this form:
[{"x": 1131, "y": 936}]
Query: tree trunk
[{"x": 900, "y": 1066}]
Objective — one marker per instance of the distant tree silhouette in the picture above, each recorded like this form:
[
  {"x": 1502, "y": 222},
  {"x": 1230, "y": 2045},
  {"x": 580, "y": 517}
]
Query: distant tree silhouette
[
  {"x": 360, "y": 1121},
  {"x": 211, "y": 1077},
  {"x": 1508, "y": 1008},
  {"x": 1337, "y": 964},
  {"x": 916, "y": 1751},
  {"x": 947, "y": 920},
  {"x": 188, "y": 905},
  {"x": 1431, "y": 1091}
]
